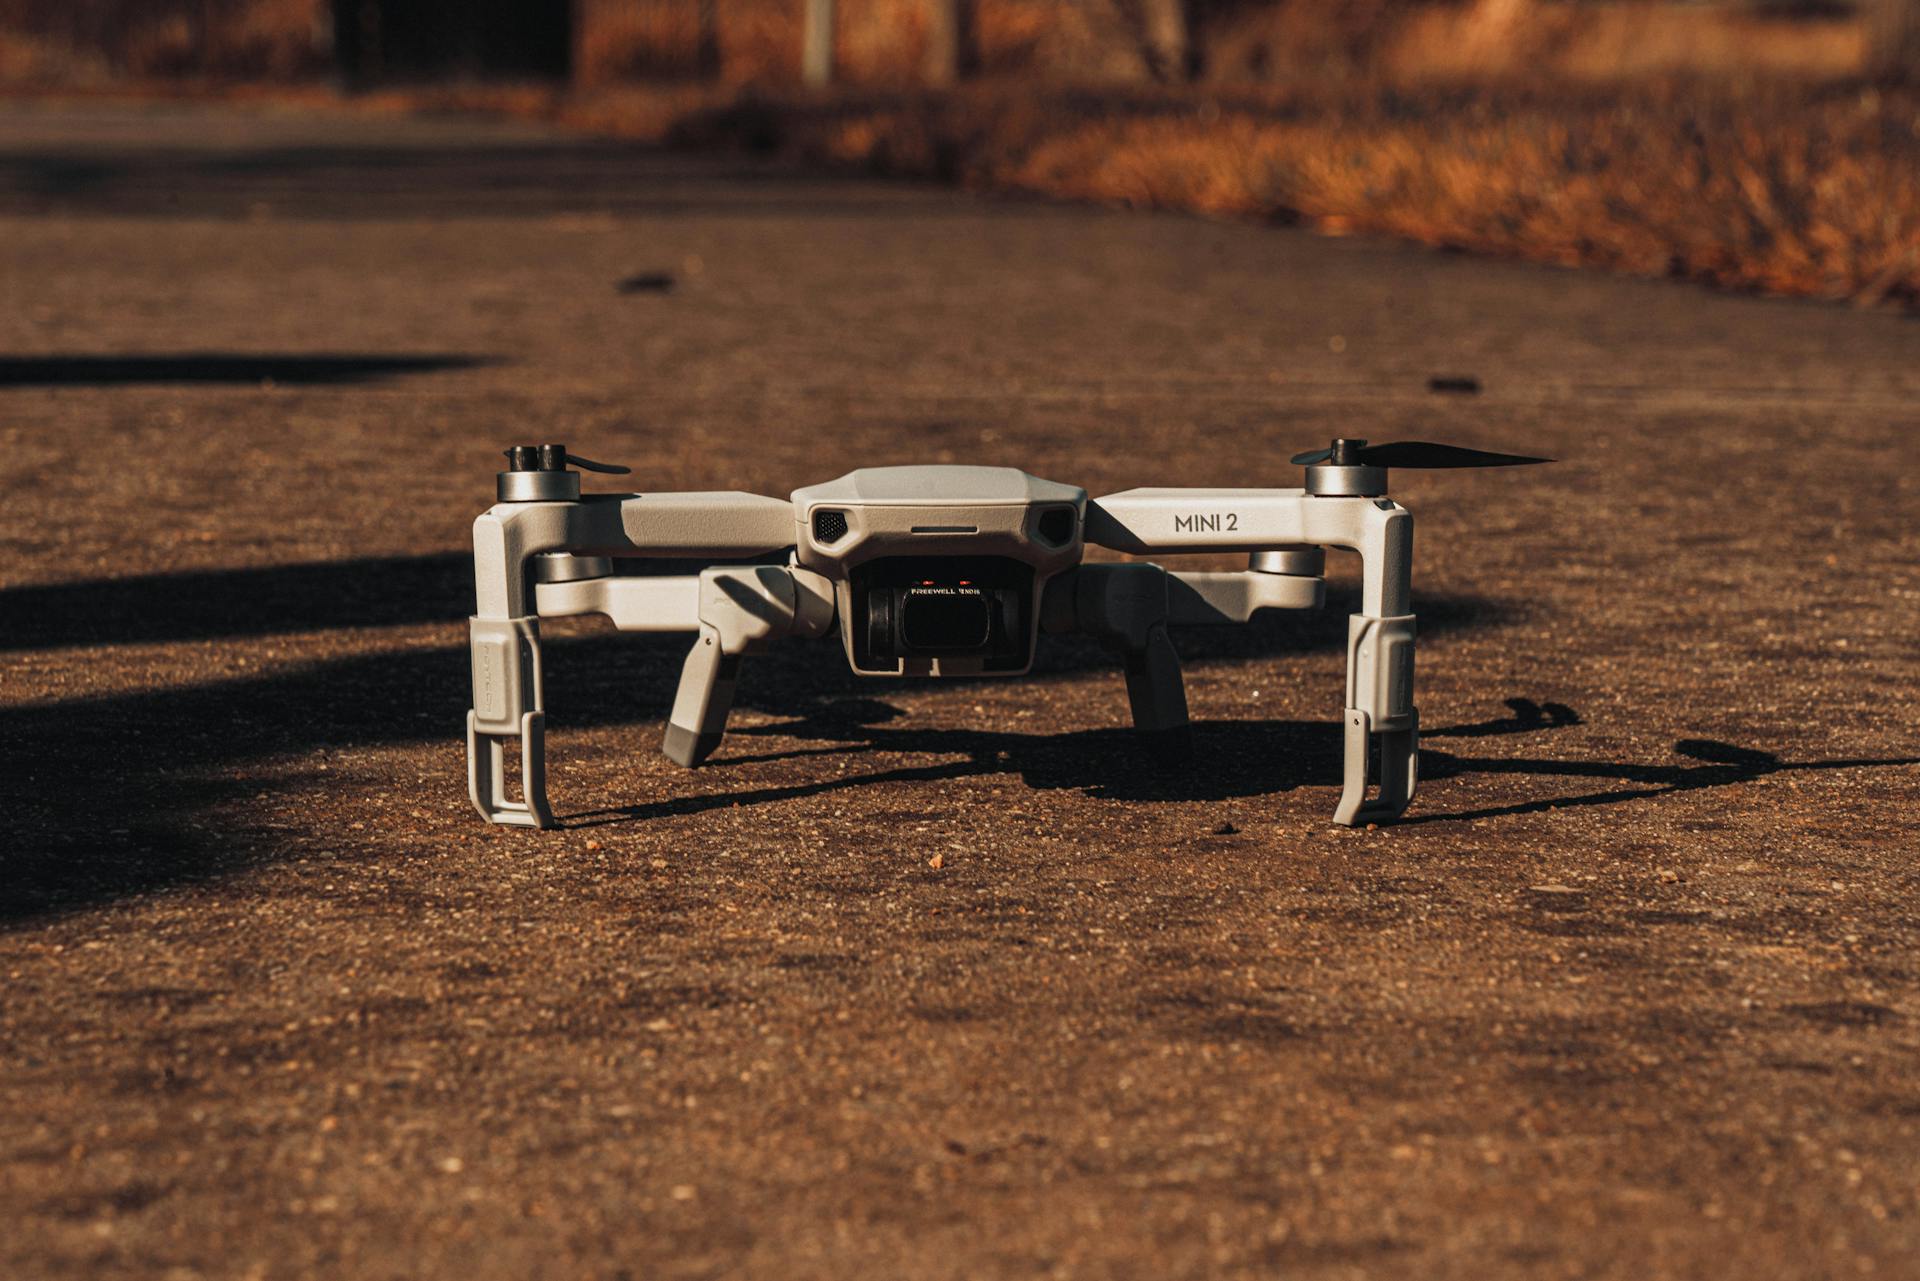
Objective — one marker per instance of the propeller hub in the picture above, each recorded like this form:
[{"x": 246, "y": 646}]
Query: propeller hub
[
  {"x": 538, "y": 486},
  {"x": 1348, "y": 480},
  {"x": 1345, "y": 452},
  {"x": 543, "y": 474},
  {"x": 537, "y": 474}
]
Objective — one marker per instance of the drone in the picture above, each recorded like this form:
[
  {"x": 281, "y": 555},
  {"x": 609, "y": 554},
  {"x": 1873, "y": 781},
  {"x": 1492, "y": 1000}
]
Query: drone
[{"x": 940, "y": 571}]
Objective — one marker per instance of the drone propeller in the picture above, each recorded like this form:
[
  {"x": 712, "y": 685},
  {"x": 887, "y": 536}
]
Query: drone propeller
[
  {"x": 556, "y": 458},
  {"x": 1423, "y": 454}
]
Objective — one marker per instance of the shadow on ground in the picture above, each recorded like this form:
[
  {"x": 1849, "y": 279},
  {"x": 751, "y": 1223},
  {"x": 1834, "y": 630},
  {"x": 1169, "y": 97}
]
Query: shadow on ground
[
  {"x": 104, "y": 792},
  {"x": 379, "y": 591},
  {"x": 1229, "y": 759},
  {"x": 293, "y": 369},
  {"x": 537, "y": 179}
]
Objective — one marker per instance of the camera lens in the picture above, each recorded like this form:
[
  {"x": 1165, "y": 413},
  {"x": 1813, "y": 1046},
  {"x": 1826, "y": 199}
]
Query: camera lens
[
  {"x": 880, "y": 621},
  {"x": 963, "y": 613},
  {"x": 934, "y": 618}
]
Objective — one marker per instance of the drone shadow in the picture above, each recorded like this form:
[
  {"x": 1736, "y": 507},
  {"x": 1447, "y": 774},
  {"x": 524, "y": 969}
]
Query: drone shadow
[
  {"x": 108, "y": 795},
  {"x": 1229, "y": 759}
]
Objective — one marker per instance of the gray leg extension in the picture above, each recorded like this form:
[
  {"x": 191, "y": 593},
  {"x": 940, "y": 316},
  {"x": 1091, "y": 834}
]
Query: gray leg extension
[
  {"x": 1158, "y": 695},
  {"x": 1399, "y": 770},
  {"x": 1127, "y": 607},
  {"x": 705, "y": 696},
  {"x": 1379, "y": 711},
  {"x": 507, "y": 707}
]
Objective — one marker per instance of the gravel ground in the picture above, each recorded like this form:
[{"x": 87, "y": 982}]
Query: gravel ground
[{"x": 922, "y": 980}]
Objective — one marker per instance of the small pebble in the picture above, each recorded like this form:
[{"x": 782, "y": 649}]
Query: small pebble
[{"x": 647, "y": 282}]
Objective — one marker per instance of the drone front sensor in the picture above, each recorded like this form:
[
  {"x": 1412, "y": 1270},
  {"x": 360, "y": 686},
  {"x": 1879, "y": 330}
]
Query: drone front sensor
[{"x": 940, "y": 571}]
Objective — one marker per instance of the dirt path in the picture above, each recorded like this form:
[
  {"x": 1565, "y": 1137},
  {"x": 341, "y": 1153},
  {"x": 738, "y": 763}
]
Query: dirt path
[{"x": 1633, "y": 994}]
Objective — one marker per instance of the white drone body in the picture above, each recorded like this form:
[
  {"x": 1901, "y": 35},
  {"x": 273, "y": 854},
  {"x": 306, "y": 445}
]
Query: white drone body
[{"x": 939, "y": 571}]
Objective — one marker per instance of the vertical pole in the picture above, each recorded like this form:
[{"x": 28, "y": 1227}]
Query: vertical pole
[
  {"x": 948, "y": 39},
  {"x": 816, "y": 50}
]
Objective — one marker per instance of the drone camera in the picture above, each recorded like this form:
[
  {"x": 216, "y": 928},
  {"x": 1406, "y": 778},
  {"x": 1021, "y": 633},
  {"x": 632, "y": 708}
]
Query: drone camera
[{"x": 947, "y": 607}]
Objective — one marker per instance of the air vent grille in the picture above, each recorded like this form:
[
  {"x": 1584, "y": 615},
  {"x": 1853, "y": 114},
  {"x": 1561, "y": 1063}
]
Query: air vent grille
[{"x": 829, "y": 526}]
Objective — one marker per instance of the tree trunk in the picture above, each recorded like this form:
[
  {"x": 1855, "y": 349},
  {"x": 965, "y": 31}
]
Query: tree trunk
[{"x": 1893, "y": 40}]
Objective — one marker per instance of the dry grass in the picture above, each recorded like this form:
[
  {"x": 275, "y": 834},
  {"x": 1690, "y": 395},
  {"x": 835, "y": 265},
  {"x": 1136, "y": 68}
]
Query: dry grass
[
  {"x": 1772, "y": 186},
  {"x": 1509, "y": 38},
  {"x": 92, "y": 43},
  {"x": 1718, "y": 145}
]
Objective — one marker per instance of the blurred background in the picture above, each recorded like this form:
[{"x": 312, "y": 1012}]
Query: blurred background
[
  {"x": 1772, "y": 145},
  {"x": 940, "y": 42}
]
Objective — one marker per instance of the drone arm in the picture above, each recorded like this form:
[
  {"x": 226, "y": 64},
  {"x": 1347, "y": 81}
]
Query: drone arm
[
  {"x": 508, "y": 703},
  {"x": 1205, "y": 599},
  {"x": 1380, "y": 639},
  {"x": 701, "y": 526}
]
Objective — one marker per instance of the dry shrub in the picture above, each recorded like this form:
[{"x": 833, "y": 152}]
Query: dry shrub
[
  {"x": 1517, "y": 38},
  {"x": 760, "y": 41},
  {"x": 84, "y": 42},
  {"x": 885, "y": 42},
  {"x": 1078, "y": 41},
  {"x": 879, "y": 42},
  {"x": 31, "y": 60},
  {"x": 1011, "y": 37},
  {"x": 1295, "y": 40},
  {"x": 1770, "y": 186},
  {"x": 639, "y": 39},
  {"x": 267, "y": 39}
]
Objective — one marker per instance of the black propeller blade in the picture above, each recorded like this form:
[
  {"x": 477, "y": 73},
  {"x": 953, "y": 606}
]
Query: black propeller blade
[
  {"x": 556, "y": 458},
  {"x": 615, "y": 469},
  {"x": 1423, "y": 454}
]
